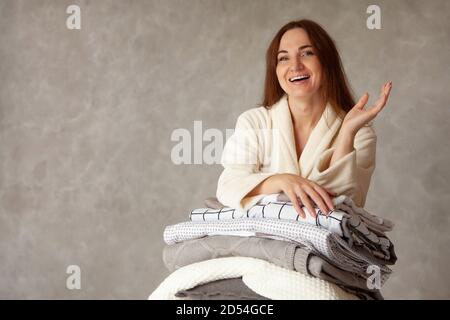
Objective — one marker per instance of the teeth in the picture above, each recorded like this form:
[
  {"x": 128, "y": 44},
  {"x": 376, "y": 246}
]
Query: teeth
[{"x": 299, "y": 78}]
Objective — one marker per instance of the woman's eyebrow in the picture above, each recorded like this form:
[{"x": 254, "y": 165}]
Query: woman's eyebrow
[{"x": 299, "y": 48}]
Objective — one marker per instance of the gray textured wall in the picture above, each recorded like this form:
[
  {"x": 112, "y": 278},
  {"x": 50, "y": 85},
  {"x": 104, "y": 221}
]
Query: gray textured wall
[{"x": 86, "y": 116}]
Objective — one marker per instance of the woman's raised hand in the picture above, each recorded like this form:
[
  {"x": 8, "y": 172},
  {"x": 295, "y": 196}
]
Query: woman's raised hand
[
  {"x": 301, "y": 191},
  {"x": 357, "y": 117}
]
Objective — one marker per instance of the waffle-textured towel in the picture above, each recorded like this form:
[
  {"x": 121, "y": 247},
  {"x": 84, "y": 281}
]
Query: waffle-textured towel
[
  {"x": 350, "y": 224},
  {"x": 321, "y": 241}
]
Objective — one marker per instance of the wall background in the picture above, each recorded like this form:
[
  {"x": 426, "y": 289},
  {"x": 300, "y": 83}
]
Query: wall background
[{"x": 86, "y": 117}]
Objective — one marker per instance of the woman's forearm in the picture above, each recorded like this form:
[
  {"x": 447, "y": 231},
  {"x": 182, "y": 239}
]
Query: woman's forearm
[
  {"x": 343, "y": 146},
  {"x": 267, "y": 186}
]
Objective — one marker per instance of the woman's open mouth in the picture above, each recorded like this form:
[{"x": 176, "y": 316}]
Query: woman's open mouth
[{"x": 298, "y": 80}]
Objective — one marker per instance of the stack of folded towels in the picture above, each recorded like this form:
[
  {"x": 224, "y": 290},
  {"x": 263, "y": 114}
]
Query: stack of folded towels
[{"x": 270, "y": 252}]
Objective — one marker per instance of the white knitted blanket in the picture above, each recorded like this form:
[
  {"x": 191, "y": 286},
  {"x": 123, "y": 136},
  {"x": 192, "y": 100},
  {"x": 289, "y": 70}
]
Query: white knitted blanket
[{"x": 264, "y": 278}]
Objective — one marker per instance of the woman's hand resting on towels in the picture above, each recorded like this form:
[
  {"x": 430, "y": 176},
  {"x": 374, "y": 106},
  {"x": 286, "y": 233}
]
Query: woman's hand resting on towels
[
  {"x": 302, "y": 191},
  {"x": 299, "y": 190},
  {"x": 357, "y": 117}
]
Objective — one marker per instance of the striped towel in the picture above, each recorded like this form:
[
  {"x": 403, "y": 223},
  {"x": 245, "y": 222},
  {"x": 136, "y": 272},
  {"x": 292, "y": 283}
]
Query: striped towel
[{"x": 354, "y": 225}]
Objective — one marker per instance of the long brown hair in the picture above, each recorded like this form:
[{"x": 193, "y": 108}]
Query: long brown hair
[{"x": 335, "y": 85}]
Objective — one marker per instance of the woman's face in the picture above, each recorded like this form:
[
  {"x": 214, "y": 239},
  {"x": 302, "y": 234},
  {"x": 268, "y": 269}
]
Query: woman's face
[{"x": 296, "y": 58}]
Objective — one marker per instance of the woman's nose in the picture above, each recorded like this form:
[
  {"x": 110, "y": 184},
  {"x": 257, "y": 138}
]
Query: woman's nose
[{"x": 297, "y": 64}]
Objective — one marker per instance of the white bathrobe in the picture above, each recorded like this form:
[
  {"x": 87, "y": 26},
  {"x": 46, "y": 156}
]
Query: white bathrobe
[{"x": 263, "y": 144}]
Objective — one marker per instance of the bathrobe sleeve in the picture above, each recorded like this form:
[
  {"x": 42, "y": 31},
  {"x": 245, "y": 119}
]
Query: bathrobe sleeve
[
  {"x": 351, "y": 174},
  {"x": 242, "y": 160}
]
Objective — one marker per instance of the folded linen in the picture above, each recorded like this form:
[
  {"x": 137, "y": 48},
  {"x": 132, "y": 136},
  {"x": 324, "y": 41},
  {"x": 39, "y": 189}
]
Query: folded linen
[
  {"x": 262, "y": 277},
  {"x": 348, "y": 224},
  {"x": 322, "y": 242},
  {"x": 286, "y": 254},
  {"x": 341, "y": 203},
  {"x": 346, "y": 204}
]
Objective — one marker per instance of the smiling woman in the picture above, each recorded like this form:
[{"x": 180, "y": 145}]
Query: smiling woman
[
  {"x": 320, "y": 143},
  {"x": 308, "y": 44},
  {"x": 262, "y": 238},
  {"x": 298, "y": 69}
]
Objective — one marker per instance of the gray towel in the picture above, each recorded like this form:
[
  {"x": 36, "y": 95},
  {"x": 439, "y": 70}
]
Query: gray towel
[
  {"x": 290, "y": 255},
  {"x": 225, "y": 289},
  {"x": 286, "y": 254},
  {"x": 322, "y": 242}
]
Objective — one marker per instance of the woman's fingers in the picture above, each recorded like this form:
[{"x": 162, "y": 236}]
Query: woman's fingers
[
  {"x": 316, "y": 197},
  {"x": 323, "y": 193},
  {"x": 379, "y": 104},
  {"x": 362, "y": 101},
  {"x": 306, "y": 202},
  {"x": 387, "y": 87},
  {"x": 306, "y": 195},
  {"x": 384, "y": 95},
  {"x": 293, "y": 197}
]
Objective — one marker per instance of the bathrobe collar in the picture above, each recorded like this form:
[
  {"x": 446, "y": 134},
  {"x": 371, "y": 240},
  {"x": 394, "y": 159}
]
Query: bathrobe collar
[{"x": 319, "y": 140}]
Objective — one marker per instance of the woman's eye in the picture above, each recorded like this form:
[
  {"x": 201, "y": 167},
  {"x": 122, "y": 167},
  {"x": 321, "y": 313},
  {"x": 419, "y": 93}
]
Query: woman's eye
[
  {"x": 303, "y": 54},
  {"x": 307, "y": 53}
]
